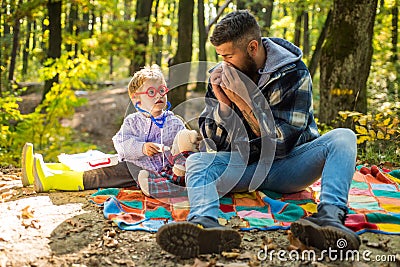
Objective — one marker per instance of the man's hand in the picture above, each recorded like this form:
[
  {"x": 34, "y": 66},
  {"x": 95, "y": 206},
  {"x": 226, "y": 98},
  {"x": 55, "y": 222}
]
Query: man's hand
[
  {"x": 235, "y": 89},
  {"x": 216, "y": 80}
]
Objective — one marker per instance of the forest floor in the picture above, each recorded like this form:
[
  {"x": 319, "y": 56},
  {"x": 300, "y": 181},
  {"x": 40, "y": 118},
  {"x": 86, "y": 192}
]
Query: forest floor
[{"x": 65, "y": 229}]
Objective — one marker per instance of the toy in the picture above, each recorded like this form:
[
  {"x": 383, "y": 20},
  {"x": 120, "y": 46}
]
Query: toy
[{"x": 185, "y": 143}]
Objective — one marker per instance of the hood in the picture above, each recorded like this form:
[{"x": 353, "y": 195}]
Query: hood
[{"x": 280, "y": 52}]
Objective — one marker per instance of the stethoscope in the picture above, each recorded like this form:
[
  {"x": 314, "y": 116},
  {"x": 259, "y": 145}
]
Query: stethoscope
[{"x": 157, "y": 121}]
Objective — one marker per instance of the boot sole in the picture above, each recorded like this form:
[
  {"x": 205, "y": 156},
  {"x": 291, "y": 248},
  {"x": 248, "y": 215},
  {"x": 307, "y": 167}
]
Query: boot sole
[
  {"x": 323, "y": 237},
  {"x": 38, "y": 183},
  {"x": 188, "y": 240}
]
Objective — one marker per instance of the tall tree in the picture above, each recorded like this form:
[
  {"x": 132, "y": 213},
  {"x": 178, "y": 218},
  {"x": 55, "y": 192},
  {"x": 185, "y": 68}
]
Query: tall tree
[
  {"x": 55, "y": 38},
  {"x": 297, "y": 28},
  {"x": 395, "y": 30},
  {"x": 157, "y": 37},
  {"x": 26, "y": 49},
  {"x": 346, "y": 58},
  {"x": 15, "y": 46},
  {"x": 141, "y": 38},
  {"x": 269, "y": 6},
  {"x": 72, "y": 26},
  {"x": 202, "y": 69},
  {"x": 306, "y": 34},
  {"x": 179, "y": 76},
  {"x": 318, "y": 47}
]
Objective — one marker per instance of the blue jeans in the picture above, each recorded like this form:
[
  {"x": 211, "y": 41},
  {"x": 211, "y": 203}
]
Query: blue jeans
[{"x": 331, "y": 157}]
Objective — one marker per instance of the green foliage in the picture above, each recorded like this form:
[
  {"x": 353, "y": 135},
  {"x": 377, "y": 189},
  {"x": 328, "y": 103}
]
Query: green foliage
[
  {"x": 44, "y": 127},
  {"x": 9, "y": 117},
  {"x": 377, "y": 134},
  {"x": 322, "y": 127}
]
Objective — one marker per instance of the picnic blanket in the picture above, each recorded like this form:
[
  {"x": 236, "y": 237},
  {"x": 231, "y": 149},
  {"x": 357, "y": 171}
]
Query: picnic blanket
[{"x": 374, "y": 203}]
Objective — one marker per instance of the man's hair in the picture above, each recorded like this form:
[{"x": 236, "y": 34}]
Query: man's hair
[
  {"x": 239, "y": 27},
  {"x": 147, "y": 73}
]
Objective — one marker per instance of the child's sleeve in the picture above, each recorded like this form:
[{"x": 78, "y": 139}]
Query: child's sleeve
[{"x": 129, "y": 140}]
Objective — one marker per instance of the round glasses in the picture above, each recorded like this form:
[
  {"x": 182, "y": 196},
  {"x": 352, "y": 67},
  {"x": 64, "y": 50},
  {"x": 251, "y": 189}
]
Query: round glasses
[{"x": 152, "y": 91}]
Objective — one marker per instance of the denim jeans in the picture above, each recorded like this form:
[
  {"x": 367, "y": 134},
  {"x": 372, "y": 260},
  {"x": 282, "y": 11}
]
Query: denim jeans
[{"x": 331, "y": 157}]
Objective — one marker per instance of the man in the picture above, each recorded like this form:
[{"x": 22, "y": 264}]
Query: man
[{"x": 301, "y": 155}]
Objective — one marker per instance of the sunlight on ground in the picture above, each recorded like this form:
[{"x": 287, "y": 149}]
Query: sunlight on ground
[{"x": 26, "y": 224}]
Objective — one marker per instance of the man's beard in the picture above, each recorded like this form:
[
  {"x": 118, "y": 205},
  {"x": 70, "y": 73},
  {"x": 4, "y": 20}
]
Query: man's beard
[{"x": 249, "y": 67}]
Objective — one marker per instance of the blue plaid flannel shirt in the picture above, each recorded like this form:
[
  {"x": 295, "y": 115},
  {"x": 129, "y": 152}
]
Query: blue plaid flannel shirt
[{"x": 288, "y": 92}]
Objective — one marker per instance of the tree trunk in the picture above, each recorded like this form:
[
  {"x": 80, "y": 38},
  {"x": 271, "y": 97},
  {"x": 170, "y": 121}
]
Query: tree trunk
[
  {"x": 285, "y": 13},
  {"x": 202, "y": 68},
  {"x": 240, "y": 4},
  {"x": 171, "y": 17},
  {"x": 297, "y": 29},
  {"x": 15, "y": 45},
  {"x": 42, "y": 43},
  {"x": 84, "y": 29},
  {"x": 141, "y": 38},
  {"x": 268, "y": 16},
  {"x": 157, "y": 38},
  {"x": 127, "y": 9},
  {"x": 27, "y": 46},
  {"x": 318, "y": 47},
  {"x": 346, "y": 59},
  {"x": 55, "y": 38},
  {"x": 306, "y": 35},
  {"x": 4, "y": 49},
  {"x": 179, "y": 76},
  {"x": 72, "y": 19},
  {"x": 395, "y": 30},
  {"x": 34, "y": 34}
]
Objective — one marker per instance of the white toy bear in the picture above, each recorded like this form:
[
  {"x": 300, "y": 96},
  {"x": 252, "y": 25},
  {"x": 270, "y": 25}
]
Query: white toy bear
[{"x": 185, "y": 143}]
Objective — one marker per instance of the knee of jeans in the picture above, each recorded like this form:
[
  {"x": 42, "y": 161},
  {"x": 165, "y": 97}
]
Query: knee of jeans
[
  {"x": 199, "y": 161},
  {"x": 345, "y": 138}
]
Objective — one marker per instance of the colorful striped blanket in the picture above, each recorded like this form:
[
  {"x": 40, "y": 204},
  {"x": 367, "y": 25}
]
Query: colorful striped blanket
[{"x": 374, "y": 202}]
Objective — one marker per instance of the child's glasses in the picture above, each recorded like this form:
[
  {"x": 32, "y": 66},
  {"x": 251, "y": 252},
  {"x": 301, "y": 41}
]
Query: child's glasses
[{"x": 152, "y": 91}]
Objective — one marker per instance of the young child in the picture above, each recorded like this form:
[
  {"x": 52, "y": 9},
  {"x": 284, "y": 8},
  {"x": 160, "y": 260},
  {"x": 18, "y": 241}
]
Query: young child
[
  {"x": 141, "y": 143},
  {"x": 145, "y": 134}
]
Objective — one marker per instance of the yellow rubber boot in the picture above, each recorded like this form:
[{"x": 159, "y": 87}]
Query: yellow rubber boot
[
  {"x": 27, "y": 165},
  {"x": 46, "y": 179}
]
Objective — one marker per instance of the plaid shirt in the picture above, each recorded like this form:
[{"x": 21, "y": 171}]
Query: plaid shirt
[
  {"x": 165, "y": 183},
  {"x": 288, "y": 91},
  {"x": 136, "y": 130}
]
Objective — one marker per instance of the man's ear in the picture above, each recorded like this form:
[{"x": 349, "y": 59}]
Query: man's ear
[{"x": 252, "y": 47}]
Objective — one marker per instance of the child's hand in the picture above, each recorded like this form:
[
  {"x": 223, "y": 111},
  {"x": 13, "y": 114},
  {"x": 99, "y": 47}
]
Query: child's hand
[{"x": 149, "y": 149}]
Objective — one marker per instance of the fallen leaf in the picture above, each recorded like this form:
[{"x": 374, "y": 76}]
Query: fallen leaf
[
  {"x": 110, "y": 243},
  {"x": 247, "y": 237},
  {"x": 272, "y": 246},
  {"x": 32, "y": 223},
  {"x": 246, "y": 256},
  {"x": 295, "y": 242},
  {"x": 236, "y": 264},
  {"x": 267, "y": 240},
  {"x": 199, "y": 263},
  {"x": 236, "y": 222},
  {"x": 27, "y": 212},
  {"x": 72, "y": 222},
  {"x": 230, "y": 255}
]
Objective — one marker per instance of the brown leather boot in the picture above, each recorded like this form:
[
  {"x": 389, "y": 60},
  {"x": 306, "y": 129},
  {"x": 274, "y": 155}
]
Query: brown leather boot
[
  {"x": 325, "y": 229},
  {"x": 201, "y": 235}
]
